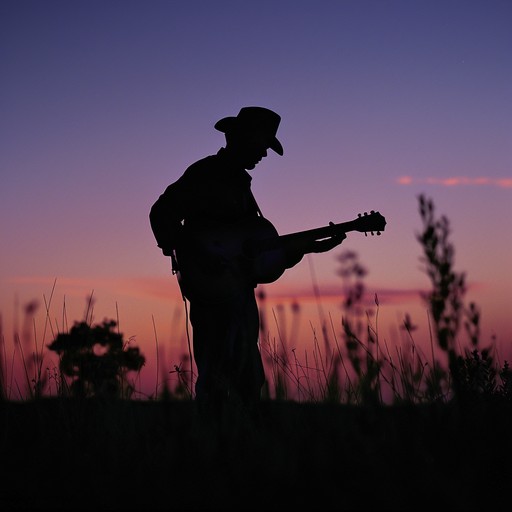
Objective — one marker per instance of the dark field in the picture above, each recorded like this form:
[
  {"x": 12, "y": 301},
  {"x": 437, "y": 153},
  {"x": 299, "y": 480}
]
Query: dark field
[{"x": 63, "y": 454}]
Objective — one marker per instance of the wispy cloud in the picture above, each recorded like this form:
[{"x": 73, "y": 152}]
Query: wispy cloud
[
  {"x": 155, "y": 287},
  {"x": 385, "y": 296},
  {"x": 333, "y": 293},
  {"x": 455, "y": 181}
]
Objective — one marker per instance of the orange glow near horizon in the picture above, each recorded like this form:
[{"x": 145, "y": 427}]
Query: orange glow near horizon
[{"x": 152, "y": 316}]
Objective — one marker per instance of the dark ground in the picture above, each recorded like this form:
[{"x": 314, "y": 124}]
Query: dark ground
[{"x": 61, "y": 454}]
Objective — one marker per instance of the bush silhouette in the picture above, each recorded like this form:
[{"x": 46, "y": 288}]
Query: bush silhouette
[{"x": 96, "y": 359}]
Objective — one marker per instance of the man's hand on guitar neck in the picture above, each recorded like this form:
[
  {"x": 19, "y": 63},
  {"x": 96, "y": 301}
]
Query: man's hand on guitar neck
[
  {"x": 295, "y": 251},
  {"x": 326, "y": 244}
]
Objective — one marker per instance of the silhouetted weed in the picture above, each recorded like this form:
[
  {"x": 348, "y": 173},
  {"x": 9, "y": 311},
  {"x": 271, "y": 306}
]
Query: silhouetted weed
[{"x": 97, "y": 360}]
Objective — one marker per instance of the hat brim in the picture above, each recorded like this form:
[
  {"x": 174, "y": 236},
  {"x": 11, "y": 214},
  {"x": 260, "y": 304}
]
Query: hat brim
[
  {"x": 276, "y": 146},
  {"x": 226, "y": 124}
]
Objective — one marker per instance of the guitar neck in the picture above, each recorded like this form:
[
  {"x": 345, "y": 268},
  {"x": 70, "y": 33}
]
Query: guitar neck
[
  {"x": 372, "y": 222},
  {"x": 309, "y": 234},
  {"x": 319, "y": 233}
]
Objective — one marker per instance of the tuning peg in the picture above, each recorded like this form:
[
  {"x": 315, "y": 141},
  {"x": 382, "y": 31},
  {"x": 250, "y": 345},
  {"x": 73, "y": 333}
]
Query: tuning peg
[
  {"x": 378, "y": 233},
  {"x": 372, "y": 212}
]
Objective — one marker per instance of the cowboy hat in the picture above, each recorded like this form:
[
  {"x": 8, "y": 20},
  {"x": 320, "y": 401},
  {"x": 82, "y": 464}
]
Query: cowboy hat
[{"x": 257, "y": 119}]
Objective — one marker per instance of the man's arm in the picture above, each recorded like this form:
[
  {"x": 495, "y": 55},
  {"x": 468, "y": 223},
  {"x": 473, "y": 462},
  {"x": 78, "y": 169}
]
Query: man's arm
[{"x": 165, "y": 218}]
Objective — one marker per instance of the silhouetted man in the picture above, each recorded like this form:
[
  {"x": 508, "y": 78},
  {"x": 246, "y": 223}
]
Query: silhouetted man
[{"x": 205, "y": 222}]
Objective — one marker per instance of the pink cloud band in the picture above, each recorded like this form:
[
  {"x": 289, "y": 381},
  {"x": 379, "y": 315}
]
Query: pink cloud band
[{"x": 457, "y": 181}]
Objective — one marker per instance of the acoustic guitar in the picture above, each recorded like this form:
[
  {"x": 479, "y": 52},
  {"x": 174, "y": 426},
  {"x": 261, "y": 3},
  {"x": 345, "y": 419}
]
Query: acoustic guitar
[{"x": 216, "y": 262}]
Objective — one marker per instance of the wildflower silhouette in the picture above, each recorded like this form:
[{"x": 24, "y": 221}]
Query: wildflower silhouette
[
  {"x": 473, "y": 373},
  {"x": 97, "y": 360}
]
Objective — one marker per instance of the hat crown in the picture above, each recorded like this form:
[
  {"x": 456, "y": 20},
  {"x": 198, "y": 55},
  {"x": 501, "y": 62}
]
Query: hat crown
[{"x": 259, "y": 118}]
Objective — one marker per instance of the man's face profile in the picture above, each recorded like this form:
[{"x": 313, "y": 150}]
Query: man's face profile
[{"x": 249, "y": 148}]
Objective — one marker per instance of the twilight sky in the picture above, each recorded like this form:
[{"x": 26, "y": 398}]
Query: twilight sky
[{"x": 104, "y": 103}]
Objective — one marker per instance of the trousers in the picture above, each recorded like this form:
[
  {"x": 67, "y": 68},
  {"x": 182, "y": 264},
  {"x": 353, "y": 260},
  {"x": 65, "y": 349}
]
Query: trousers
[{"x": 226, "y": 352}]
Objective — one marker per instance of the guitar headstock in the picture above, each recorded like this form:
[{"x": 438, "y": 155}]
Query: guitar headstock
[{"x": 372, "y": 222}]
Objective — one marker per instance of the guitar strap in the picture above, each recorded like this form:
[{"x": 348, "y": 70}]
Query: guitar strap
[{"x": 255, "y": 203}]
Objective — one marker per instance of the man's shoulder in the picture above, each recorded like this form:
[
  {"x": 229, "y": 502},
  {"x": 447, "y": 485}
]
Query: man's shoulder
[{"x": 204, "y": 164}]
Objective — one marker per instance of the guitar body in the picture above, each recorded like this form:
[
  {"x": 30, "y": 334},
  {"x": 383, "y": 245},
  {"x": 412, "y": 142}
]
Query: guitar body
[{"x": 218, "y": 261}]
